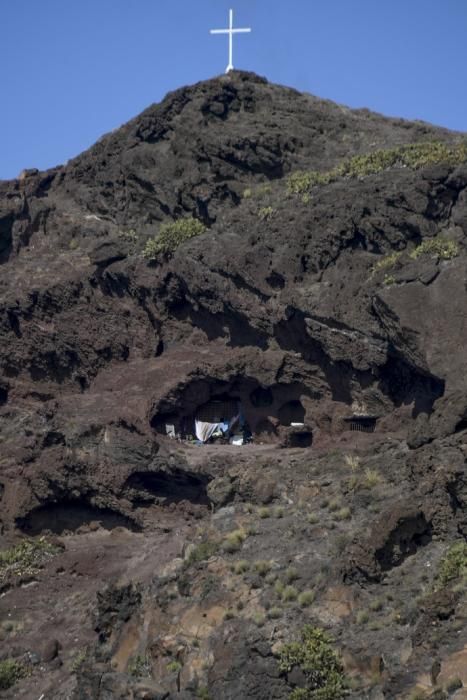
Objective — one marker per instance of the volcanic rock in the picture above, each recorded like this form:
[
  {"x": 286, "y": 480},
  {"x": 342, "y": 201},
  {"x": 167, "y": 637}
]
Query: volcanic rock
[{"x": 334, "y": 314}]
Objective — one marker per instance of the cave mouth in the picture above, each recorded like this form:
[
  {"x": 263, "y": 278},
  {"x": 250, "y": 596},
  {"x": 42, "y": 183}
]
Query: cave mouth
[
  {"x": 407, "y": 537},
  {"x": 69, "y": 516},
  {"x": 171, "y": 487},
  {"x": 361, "y": 424},
  {"x": 291, "y": 412},
  {"x": 406, "y": 385},
  {"x": 3, "y": 395},
  {"x": 461, "y": 425},
  {"x": 302, "y": 439},
  {"x": 239, "y": 411}
]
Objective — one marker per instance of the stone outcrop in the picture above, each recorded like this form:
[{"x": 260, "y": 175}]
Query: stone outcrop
[{"x": 319, "y": 310}]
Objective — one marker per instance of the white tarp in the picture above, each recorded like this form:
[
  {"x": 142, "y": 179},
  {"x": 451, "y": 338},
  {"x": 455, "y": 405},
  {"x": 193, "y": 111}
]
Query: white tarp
[{"x": 206, "y": 430}]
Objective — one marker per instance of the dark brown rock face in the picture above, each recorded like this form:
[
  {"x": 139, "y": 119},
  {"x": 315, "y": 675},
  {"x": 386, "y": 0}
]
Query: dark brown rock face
[{"x": 291, "y": 305}]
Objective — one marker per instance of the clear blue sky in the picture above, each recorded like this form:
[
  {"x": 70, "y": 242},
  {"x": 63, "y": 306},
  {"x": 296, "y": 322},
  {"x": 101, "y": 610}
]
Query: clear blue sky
[{"x": 75, "y": 69}]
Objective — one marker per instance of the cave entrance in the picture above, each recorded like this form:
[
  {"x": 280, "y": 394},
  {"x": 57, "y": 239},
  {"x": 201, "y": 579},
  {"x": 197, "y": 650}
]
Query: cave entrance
[
  {"x": 405, "y": 539},
  {"x": 361, "y": 424},
  {"x": 300, "y": 439},
  {"x": 169, "y": 487},
  {"x": 238, "y": 411},
  {"x": 69, "y": 516},
  {"x": 292, "y": 413}
]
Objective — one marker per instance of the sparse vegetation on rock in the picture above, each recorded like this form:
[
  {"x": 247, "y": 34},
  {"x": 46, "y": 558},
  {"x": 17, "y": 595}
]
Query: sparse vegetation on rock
[
  {"x": 265, "y": 213},
  {"x": 171, "y": 236},
  {"x": 26, "y": 558},
  {"x": 439, "y": 247},
  {"x": 413, "y": 156},
  {"x": 453, "y": 565},
  {"x": 11, "y": 672},
  {"x": 320, "y": 664}
]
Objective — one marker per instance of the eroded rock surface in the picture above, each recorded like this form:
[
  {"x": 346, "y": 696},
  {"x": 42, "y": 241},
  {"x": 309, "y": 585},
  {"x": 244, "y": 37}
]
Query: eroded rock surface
[{"x": 328, "y": 316}]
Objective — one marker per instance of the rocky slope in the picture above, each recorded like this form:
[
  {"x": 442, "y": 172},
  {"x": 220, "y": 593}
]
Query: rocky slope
[{"x": 136, "y": 566}]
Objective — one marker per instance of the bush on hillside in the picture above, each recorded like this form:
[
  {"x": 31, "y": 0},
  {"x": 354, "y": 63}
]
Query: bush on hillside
[
  {"x": 414, "y": 155},
  {"x": 172, "y": 235},
  {"x": 439, "y": 247},
  {"x": 318, "y": 662},
  {"x": 10, "y": 673}
]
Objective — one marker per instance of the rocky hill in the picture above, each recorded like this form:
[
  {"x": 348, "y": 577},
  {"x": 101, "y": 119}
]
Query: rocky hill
[{"x": 240, "y": 244}]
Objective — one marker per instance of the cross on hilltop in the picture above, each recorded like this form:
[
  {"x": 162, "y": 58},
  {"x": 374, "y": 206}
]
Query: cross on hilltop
[{"x": 230, "y": 31}]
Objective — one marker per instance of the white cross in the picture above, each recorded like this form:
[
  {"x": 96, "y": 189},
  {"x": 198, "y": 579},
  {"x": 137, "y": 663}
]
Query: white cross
[{"x": 230, "y": 31}]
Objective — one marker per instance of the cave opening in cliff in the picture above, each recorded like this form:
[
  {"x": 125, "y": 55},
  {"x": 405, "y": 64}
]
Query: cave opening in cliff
[
  {"x": 408, "y": 385},
  {"x": 68, "y": 516},
  {"x": 169, "y": 487},
  {"x": 361, "y": 424},
  {"x": 408, "y": 536},
  {"x": 292, "y": 413},
  {"x": 237, "y": 412},
  {"x": 3, "y": 395}
]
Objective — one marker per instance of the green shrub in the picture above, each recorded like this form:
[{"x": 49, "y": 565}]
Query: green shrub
[
  {"x": 376, "y": 605},
  {"x": 353, "y": 462},
  {"x": 386, "y": 262},
  {"x": 344, "y": 513},
  {"x": 439, "y": 247},
  {"x": 234, "y": 540},
  {"x": 26, "y": 558},
  {"x": 372, "y": 478},
  {"x": 10, "y": 673},
  {"x": 301, "y": 182},
  {"x": 274, "y": 613},
  {"x": 375, "y": 625},
  {"x": 319, "y": 663},
  {"x": 453, "y": 565},
  {"x": 289, "y": 594},
  {"x": 413, "y": 156},
  {"x": 265, "y": 213},
  {"x": 247, "y": 193},
  {"x": 138, "y": 666},
  {"x": 306, "y": 598},
  {"x": 312, "y": 518},
  {"x": 262, "y": 567},
  {"x": 362, "y": 617},
  {"x": 291, "y": 574},
  {"x": 129, "y": 235},
  {"x": 279, "y": 588},
  {"x": 334, "y": 504},
  {"x": 203, "y": 551},
  {"x": 78, "y": 660},
  {"x": 241, "y": 567},
  {"x": 171, "y": 235},
  {"x": 259, "y": 619},
  {"x": 174, "y": 666},
  {"x": 264, "y": 513},
  {"x": 418, "y": 695}
]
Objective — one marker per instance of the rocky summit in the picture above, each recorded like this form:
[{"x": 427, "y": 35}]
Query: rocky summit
[{"x": 233, "y": 407}]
